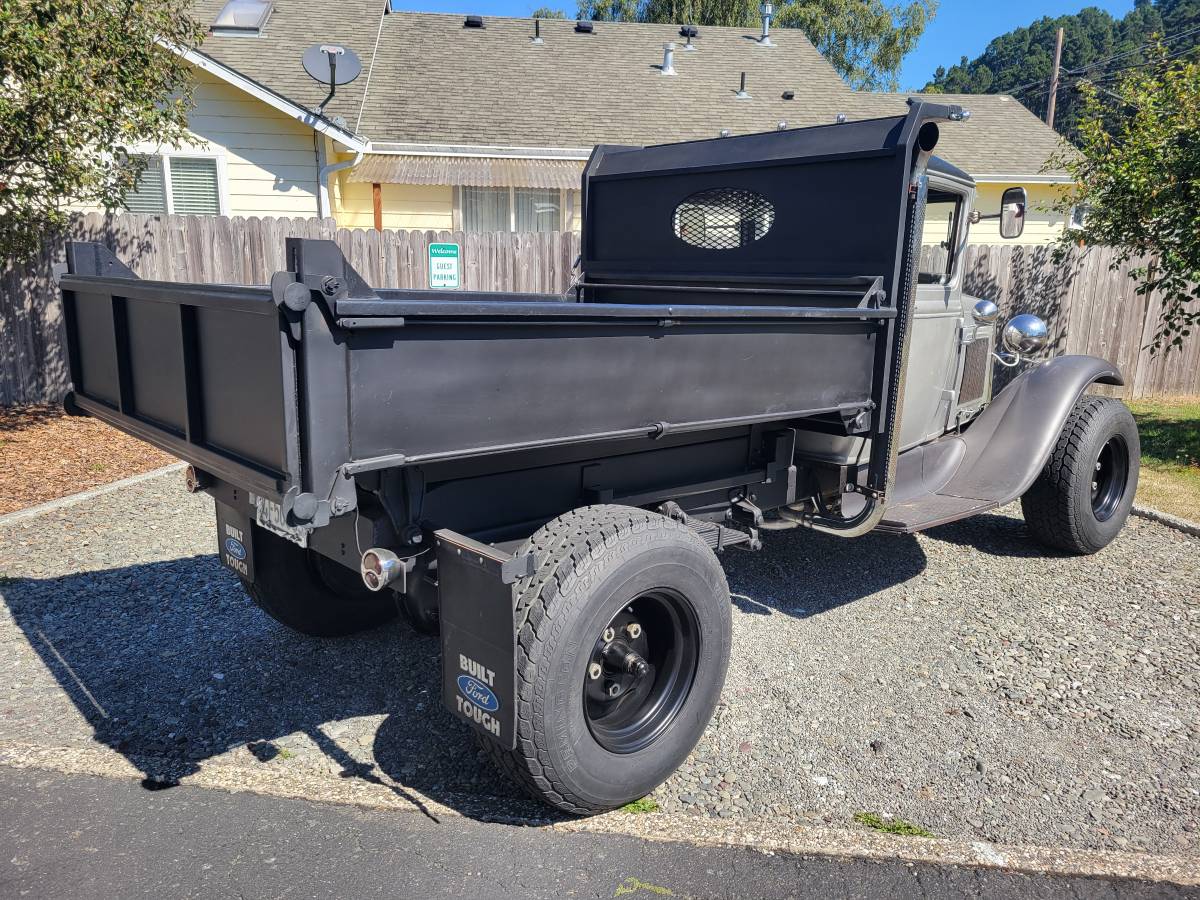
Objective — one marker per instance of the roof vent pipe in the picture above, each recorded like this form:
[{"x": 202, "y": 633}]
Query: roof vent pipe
[
  {"x": 668, "y": 67},
  {"x": 741, "y": 92},
  {"x": 767, "y": 10},
  {"x": 537, "y": 32},
  {"x": 689, "y": 31}
]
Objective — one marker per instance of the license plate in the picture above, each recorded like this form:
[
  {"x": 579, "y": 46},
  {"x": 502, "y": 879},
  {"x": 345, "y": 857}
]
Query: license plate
[
  {"x": 269, "y": 515},
  {"x": 235, "y": 543}
]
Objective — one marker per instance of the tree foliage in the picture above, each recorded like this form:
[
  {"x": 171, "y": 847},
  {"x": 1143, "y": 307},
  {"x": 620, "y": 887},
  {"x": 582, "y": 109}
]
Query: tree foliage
[
  {"x": 865, "y": 40},
  {"x": 1019, "y": 62},
  {"x": 82, "y": 82},
  {"x": 1138, "y": 177},
  {"x": 547, "y": 12}
]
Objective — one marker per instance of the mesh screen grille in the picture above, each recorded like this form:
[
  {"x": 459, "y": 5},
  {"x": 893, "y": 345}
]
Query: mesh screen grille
[
  {"x": 723, "y": 218},
  {"x": 975, "y": 372}
]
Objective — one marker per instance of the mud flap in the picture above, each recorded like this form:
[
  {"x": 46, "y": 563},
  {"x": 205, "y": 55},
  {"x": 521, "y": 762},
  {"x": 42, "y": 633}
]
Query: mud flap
[
  {"x": 235, "y": 543},
  {"x": 479, "y": 633}
]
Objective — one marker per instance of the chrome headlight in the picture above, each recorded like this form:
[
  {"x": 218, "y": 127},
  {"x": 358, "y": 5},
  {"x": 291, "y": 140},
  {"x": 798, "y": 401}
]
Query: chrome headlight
[
  {"x": 985, "y": 312},
  {"x": 1026, "y": 334}
]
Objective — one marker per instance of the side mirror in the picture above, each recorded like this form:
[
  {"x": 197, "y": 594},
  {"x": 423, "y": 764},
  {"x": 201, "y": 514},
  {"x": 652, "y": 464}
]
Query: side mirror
[
  {"x": 985, "y": 312},
  {"x": 1012, "y": 212}
]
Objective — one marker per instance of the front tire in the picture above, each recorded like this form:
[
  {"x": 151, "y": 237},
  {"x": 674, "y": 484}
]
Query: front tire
[
  {"x": 311, "y": 594},
  {"x": 1083, "y": 496},
  {"x": 595, "y": 728}
]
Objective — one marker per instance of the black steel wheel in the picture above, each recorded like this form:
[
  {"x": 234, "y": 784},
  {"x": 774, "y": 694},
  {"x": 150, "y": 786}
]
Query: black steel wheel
[
  {"x": 623, "y": 643},
  {"x": 1111, "y": 478},
  {"x": 641, "y": 671},
  {"x": 1081, "y": 499}
]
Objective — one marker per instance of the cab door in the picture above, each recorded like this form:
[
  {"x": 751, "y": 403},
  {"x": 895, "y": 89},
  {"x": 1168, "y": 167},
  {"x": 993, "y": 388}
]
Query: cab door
[{"x": 933, "y": 355}]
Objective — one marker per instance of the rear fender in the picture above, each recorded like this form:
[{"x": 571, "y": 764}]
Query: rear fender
[{"x": 1011, "y": 441}]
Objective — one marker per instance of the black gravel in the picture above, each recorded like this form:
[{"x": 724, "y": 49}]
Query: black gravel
[{"x": 961, "y": 680}]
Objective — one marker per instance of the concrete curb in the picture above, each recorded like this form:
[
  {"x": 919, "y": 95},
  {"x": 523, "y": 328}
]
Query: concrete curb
[
  {"x": 72, "y": 499},
  {"x": 761, "y": 836},
  {"x": 1162, "y": 518}
]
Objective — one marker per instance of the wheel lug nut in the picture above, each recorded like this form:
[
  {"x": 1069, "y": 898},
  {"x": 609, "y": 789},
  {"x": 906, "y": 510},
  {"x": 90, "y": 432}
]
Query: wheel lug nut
[
  {"x": 634, "y": 630},
  {"x": 614, "y": 690},
  {"x": 610, "y": 634},
  {"x": 595, "y": 670}
]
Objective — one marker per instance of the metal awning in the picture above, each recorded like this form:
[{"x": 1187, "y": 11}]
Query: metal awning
[{"x": 475, "y": 171}]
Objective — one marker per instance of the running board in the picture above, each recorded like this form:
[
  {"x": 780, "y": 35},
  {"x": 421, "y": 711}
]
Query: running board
[
  {"x": 929, "y": 511},
  {"x": 719, "y": 537}
]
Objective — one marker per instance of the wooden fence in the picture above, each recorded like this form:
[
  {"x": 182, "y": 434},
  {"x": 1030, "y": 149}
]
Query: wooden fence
[{"x": 1090, "y": 308}]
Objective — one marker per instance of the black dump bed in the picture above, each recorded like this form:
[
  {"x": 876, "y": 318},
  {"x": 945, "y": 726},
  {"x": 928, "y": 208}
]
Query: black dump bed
[{"x": 736, "y": 281}]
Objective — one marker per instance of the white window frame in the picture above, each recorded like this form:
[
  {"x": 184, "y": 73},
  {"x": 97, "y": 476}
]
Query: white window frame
[
  {"x": 566, "y": 208},
  {"x": 167, "y": 155}
]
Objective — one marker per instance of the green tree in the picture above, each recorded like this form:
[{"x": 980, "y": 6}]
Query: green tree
[
  {"x": 81, "y": 83},
  {"x": 545, "y": 12},
  {"x": 1095, "y": 46},
  {"x": 865, "y": 40},
  {"x": 1138, "y": 177}
]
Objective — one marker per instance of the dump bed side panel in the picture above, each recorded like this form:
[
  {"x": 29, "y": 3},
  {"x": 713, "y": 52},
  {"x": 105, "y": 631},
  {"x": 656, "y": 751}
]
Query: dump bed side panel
[
  {"x": 491, "y": 386},
  {"x": 205, "y": 374}
]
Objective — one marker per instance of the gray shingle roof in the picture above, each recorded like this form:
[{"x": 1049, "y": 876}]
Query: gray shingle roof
[{"x": 435, "y": 82}]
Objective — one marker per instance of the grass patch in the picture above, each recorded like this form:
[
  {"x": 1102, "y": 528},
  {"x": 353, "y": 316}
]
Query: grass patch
[
  {"x": 1170, "y": 433},
  {"x": 285, "y": 753},
  {"x": 891, "y": 826},
  {"x": 645, "y": 805}
]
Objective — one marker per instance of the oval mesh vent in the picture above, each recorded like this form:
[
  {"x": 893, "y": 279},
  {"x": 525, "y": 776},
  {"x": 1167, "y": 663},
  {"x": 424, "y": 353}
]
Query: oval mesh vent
[{"x": 723, "y": 218}]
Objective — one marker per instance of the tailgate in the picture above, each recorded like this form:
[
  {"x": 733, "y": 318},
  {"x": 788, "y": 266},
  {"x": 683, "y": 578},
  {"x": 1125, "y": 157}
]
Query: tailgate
[{"x": 205, "y": 372}]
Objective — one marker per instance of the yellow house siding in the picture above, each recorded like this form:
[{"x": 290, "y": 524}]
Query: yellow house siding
[
  {"x": 1041, "y": 226},
  {"x": 267, "y": 161},
  {"x": 270, "y": 159},
  {"x": 406, "y": 206},
  {"x": 415, "y": 206}
]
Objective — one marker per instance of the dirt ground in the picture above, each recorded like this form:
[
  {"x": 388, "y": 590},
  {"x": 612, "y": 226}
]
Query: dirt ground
[{"x": 45, "y": 454}]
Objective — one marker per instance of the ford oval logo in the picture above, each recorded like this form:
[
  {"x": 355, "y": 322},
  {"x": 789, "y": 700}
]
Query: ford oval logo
[
  {"x": 235, "y": 548},
  {"x": 478, "y": 693}
]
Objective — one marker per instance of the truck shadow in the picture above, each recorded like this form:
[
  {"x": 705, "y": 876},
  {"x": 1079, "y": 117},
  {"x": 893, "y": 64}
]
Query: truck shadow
[
  {"x": 803, "y": 573},
  {"x": 171, "y": 665}
]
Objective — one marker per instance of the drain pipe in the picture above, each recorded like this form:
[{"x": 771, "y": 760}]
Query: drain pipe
[{"x": 323, "y": 179}]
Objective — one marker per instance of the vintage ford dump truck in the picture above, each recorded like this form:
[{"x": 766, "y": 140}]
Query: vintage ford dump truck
[{"x": 752, "y": 344}]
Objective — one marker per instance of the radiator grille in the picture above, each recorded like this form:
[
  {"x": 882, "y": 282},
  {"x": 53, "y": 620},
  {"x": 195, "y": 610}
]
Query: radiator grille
[{"x": 975, "y": 372}]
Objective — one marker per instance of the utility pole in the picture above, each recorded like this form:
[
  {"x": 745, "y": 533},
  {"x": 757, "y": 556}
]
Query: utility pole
[{"x": 1058, "y": 39}]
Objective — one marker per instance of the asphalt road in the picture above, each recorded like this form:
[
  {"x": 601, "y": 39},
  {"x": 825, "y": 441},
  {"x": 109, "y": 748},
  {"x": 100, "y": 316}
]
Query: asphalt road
[{"x": 79, "y": 836}]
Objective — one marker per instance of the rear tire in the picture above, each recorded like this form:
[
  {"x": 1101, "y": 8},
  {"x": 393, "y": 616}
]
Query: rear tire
[
  {"x": 658, "y": 584},
  {"x": 1083, "y": 496},
  {"x": 310, "y": 594}
]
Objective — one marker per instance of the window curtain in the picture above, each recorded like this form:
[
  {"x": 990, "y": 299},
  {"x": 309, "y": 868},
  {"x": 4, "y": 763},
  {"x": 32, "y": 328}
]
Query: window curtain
[
  {"x": 538, "y": 209},
  {"x": 149, "y": 194},
  {"x": 194, "y": 188},
  {"x": 485, "y": 209}
]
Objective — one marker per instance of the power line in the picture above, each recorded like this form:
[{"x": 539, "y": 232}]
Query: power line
[
  {"x": 1100, "y": 79},
  {"x": 1095, "y": 63}
]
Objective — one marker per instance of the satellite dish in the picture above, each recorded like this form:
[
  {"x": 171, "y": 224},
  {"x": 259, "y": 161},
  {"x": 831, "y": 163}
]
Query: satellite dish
[{"x": 332, "y": 64}]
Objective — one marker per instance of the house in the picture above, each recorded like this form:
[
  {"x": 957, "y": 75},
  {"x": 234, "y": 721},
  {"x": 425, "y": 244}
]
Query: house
[{"x": 481, "y": 124}]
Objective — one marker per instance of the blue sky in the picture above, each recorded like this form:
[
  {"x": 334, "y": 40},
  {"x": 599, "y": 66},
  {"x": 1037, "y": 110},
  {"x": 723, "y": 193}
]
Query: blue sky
[{"x": 962, "y": 27}]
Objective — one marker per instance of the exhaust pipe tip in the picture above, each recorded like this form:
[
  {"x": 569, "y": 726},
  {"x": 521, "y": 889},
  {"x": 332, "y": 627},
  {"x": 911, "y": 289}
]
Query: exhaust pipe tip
[
  {"x": 194, "y": 481},
  {"x": 379, "y": 568}
]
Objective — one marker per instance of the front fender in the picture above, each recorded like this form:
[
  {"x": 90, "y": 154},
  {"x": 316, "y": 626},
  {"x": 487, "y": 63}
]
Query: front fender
[{"x": 1010, "y": 442}]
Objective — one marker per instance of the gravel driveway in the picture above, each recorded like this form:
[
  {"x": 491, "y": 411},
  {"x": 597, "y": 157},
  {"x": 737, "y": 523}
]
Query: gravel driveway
[{"x": 959, "y": 679}]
